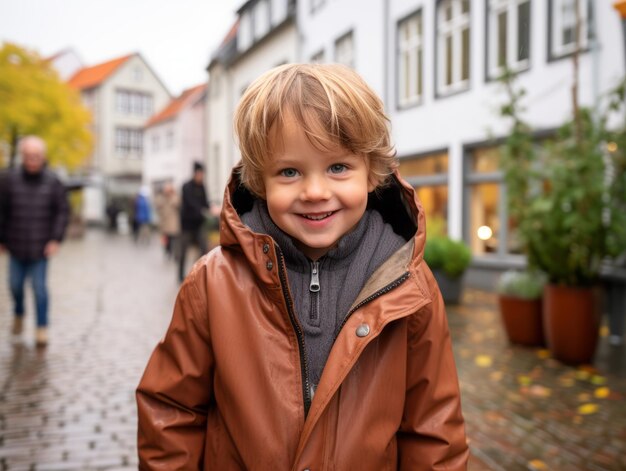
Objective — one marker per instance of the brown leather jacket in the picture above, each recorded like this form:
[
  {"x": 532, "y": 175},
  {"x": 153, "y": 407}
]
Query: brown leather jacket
[{"x": 224, "y": 389}]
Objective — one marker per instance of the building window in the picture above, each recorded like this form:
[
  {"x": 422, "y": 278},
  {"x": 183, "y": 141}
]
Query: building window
[
  {"x": 453, "y": 46},
  {"x": 135, "y": 103},
  {"x": 261, "y": 19},
  {"x": 155, "y": 143},
  {"x": 410, "y": 51},
  {"x": 490, "y": 230},
  {"x": 344, "y": 50},
  {"x": 562, "y": 27},
  {"x": 428, "y": 174},
  {"x": 508, "y": 36},
  {"x": 318, "y": 57},
  {"x": 169, "y": 139},
  {"x": 129, "y": 141}
]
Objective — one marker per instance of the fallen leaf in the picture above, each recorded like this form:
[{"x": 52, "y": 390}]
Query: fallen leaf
[
  {"x": 598, "y": 380},
  {"x": 602, "y": 393},
  {"x": 496, "y": 375},
  {"x": 537, "y": 465},
  {"x": 566, "y": 382},
  {"x": 582, "y": 375},
  {"x": 543, "y": 353},
  {"x": 538, "y": 390},
  {"x": 524, "y": 380},
  {"x": 584, "y": 397},
  {"x": 484, "y": 361},
  {"x": 589, "y": 408}
]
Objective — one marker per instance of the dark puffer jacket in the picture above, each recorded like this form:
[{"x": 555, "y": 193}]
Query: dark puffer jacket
[{"x": 33, "y": 211}]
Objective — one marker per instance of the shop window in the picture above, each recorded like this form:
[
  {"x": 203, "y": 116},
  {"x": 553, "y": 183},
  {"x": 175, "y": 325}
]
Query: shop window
[
  {"x": 428, "y": 174},
  {"x": 490, "y": 230}
]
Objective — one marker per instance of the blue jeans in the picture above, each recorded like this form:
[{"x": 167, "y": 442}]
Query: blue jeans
[{"x": 19, "y": 270}]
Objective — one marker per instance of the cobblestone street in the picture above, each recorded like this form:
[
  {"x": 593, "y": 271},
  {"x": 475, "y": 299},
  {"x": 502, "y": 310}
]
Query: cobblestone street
[{"x": 71, "y": 406}]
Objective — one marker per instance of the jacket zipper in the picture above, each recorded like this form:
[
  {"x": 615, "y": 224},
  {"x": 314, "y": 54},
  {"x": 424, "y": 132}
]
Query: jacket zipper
[
  {"x": 394, "y": 284},
  {"x": 304, "y": 369}
]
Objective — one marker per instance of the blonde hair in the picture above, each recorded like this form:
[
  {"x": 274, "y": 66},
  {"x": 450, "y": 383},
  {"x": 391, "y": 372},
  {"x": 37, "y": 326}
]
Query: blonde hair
[{"x": 334, "y": 106}]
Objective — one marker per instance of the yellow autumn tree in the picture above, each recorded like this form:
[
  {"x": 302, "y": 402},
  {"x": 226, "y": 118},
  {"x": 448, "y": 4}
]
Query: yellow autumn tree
[{"x": 34, "y": 100}]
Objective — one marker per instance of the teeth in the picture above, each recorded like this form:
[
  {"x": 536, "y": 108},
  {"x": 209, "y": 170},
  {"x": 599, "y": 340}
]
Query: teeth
[{"x": 318, "y": 217}]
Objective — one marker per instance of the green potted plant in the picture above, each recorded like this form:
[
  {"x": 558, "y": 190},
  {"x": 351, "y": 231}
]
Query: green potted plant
[
  {"x": 568, "y": 200},
  {"x": 448, "y": 259},
  {"x": 519, "y": 298}
]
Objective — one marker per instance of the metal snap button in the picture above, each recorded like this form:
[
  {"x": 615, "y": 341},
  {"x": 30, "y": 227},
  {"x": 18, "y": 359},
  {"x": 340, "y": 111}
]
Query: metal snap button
[
  {"x": 363, "y": 330},
  {"x": 266, "y": 248},
  {"x": 269, "y": 265}
]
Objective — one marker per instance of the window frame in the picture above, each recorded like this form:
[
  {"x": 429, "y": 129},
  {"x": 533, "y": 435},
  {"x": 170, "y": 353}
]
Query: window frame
[
  {"x": 492, "y": 70},
  {"x": 554, "y": 20},
  {"x": 457, "y": 85},
  {"x": 430, "y": 180},
  {"x": 129, "y": 141},
  {"x": 339, "y": 41},
  {"x": 417, "y": 46}
]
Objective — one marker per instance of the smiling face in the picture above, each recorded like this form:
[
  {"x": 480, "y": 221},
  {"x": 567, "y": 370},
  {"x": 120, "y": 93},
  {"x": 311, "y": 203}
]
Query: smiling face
[{"x": 314, "y": 196}]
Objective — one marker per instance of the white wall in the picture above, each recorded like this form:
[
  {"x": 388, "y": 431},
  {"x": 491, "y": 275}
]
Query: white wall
[
  {"x": 124, "y": 78},
  {"x": 280, "y": 48},
  {"x": 320, "y": 29}
]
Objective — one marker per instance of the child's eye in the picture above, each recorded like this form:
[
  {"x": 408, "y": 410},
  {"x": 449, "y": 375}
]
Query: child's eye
[
  {"x": 289, "y": 172},
  {"x": 338, "y": 168}
]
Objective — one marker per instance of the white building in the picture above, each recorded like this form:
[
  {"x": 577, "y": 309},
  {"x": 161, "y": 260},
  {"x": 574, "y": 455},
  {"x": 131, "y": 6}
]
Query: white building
[
  {"x": 174, "y": 139},
  {"x": 435, "y": 64},
  {"x": 263, "y": 37},
  {"x": 122, "y": 94}
]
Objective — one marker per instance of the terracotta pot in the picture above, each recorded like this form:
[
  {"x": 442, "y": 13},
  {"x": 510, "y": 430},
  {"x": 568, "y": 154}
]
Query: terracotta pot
[
  {"x": 523, "y": 320},
  {"x": 571, "y": 322}
]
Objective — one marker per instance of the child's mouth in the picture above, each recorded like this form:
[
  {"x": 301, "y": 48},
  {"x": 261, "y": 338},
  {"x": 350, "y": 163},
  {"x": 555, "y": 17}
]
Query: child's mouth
[{"x": 318, "y": 216}]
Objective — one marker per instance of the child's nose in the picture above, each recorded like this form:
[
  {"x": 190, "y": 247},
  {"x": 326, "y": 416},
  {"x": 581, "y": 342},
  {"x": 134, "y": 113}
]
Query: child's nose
[{"x": 315, "y": 188}]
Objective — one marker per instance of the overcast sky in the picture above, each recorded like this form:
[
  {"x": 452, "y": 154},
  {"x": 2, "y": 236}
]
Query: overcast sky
[{"x": 176, "y": 37}]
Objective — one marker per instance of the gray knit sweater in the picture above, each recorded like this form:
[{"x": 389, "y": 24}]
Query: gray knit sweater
[{"x": 321, "y": 306}]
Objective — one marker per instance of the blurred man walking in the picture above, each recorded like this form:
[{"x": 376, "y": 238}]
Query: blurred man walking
[
  {"x": 193, "y": 214},
  {"x": 34, "y": 214}
]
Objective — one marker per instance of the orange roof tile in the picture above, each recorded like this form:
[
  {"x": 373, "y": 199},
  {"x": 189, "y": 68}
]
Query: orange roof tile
[
  {"x": 88, "y": 77},
  {"x": 175, "y": 106}
]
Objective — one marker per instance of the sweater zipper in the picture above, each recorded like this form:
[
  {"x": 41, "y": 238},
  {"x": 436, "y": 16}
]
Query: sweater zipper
[
  {"x": 394, "y": 284},
  {"x": 314, "y": 288},
  {"x": 304, "y": 369}
]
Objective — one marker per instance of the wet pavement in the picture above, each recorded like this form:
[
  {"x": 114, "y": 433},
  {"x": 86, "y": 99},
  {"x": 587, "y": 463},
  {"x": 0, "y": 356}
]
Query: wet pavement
[{"x": 71, "y": 406}]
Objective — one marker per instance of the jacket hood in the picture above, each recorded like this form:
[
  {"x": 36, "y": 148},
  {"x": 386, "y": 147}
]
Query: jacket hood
[{"x": 397, "y": 202}]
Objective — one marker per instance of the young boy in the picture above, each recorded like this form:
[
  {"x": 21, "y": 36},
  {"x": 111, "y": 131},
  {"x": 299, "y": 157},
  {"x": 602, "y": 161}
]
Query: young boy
[{"x": 315, "y": 337}]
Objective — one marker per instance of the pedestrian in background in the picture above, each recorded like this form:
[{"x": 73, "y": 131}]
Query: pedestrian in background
[
  {"x": 315, "y": 337},
  {"x": 142, "y": 216},
  {"x": 34, "y": 213},
  {"x": 167, "y": 205},
  {"x": 195, "y": 209}
]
